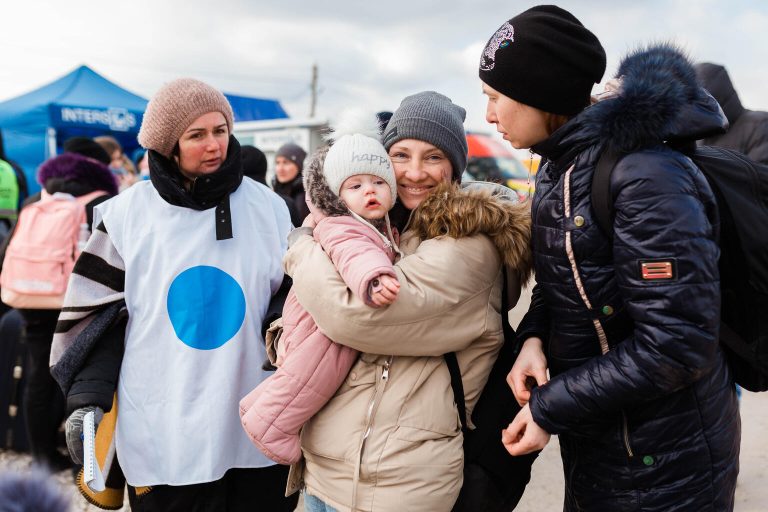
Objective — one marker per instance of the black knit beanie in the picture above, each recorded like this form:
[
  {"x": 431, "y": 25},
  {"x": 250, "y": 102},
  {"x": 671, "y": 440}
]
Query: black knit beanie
[
  {"x": 87, "y": 147},
  {"x": 544, "y": 58}
]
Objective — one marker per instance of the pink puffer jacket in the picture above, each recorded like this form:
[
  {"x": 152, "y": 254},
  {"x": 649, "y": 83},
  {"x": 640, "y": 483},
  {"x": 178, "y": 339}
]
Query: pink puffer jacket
[{"x": 313, "y": 367}]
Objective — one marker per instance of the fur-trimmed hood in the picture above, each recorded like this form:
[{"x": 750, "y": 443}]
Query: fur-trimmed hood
[
  {"x": 484, "y": 208},
  {"x": 659, "y": 99},
  {"x": 71, "y": 167},
  {"x": 317, "y": 189}
]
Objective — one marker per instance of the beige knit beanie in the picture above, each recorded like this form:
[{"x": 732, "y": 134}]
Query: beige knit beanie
[{"x": 174, "y": 107}]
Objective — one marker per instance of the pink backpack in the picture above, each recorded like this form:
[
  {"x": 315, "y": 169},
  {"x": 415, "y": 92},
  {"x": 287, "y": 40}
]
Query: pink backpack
[{"x": 48, "y": 239}]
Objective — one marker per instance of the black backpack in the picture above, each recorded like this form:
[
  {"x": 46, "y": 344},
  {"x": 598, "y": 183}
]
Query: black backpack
[
  {"x": 494, "y": 480},
  {"x": 740, "y": 186}
]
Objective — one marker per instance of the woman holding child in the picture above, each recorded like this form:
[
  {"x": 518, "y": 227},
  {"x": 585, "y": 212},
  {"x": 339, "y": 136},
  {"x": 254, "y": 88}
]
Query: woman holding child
[{"x": 389, "y": 438}]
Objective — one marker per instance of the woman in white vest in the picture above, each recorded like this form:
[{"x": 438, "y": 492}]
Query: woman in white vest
[{"x": 195, "y": 254}]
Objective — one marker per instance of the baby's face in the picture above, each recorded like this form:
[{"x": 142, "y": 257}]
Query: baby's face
[{"x": 367, "y": 195}]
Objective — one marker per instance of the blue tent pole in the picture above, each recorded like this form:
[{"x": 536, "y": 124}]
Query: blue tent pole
[{"x": 51, "y": 143}]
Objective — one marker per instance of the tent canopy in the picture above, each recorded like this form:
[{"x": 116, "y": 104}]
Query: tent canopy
[
  {"x": 255, "y": 109},
  {"x": 84, "y": 103},
  {"x": 37, "y": 123}
]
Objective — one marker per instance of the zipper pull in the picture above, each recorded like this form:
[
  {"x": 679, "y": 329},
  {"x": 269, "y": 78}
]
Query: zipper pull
[{"x": 385, "y": 371}]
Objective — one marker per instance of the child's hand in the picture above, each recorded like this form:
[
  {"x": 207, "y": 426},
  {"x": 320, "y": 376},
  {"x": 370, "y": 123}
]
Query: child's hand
[{"x": 385, "y": 291}]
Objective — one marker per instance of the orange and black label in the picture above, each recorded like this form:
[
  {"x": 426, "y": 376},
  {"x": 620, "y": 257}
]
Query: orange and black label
[{"x": 658, "y": 270}]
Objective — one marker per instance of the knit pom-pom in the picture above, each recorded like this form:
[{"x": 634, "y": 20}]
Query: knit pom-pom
[{"x": 352, "y": 121}]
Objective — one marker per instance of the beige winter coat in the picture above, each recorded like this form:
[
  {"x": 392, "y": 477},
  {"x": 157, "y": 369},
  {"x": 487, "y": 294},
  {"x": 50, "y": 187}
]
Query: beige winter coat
[{"x": 390, "y": 439}]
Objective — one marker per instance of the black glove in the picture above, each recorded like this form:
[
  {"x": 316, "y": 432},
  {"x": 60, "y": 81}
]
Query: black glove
[{"x": 74, "y": 430}]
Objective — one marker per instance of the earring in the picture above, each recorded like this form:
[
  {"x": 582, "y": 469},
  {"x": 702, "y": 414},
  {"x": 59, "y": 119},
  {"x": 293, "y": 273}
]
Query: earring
[{"x": 530, "y": 172}]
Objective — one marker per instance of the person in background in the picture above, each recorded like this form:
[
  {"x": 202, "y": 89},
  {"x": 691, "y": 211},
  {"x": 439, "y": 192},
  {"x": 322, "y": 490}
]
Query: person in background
[
  {"x": 172, "y": 322},
  {"x": 13, "y": 191},
  {"x": 113, "y": 149},
  {"x": 639, "y": 391},
  {"x": 87, "y": 147},
  {"x": 141, "y": 162},
  {"x": 255, "y": 168},
  {"x": 119, "y": 163},
  {"x": 383, "y": 118},
  {"x": 289, "y": 162},
  {"x": 254, "y": 163},
  {"x": 74, "y": 174},
  {"x": 748, "y": 132}
]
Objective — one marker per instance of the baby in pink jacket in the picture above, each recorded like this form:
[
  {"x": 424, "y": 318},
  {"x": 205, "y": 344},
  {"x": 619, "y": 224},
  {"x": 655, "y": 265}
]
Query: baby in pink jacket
[{"x": 352, "y": 186}]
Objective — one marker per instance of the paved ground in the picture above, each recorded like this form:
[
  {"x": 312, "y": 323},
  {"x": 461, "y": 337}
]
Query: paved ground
[{"x": 545, "y": 492}]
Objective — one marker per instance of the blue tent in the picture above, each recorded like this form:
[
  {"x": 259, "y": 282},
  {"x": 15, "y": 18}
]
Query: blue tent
[
  {"x": 255, "y": 109},
  {"x": 84, "y": 103},
  {"x": 36, "y": 124}
]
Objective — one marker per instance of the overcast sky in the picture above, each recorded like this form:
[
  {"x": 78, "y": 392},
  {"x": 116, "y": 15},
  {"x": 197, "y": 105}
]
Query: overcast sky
[{"x": 369, "y": 53}]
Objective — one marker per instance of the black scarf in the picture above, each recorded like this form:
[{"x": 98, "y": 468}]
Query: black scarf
[
  {"x": 291, "y": 188},
  {"x": 207, "y": 191}
]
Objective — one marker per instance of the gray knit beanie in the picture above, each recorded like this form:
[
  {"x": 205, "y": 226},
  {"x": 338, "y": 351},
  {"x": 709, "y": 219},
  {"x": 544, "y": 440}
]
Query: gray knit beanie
[
  {"x": 431, "y": 117},
  {"x": 174, "y": 107},
  {"x": 292, "y": 152}
]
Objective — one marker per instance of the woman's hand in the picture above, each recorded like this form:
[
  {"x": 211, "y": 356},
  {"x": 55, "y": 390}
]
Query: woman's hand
[
  {"x": 530, "y": 367},
  {"x": 385, "y": 292},
  {"x": 309, "y": 222},
  {"x": 523, "y": 435}
]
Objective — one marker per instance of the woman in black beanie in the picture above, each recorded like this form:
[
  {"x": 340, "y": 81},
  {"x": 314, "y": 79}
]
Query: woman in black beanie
[{"x": 638, "y": 391}]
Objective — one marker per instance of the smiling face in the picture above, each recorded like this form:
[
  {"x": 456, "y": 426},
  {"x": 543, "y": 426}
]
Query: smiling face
[
  {"x": 419, "y": 168},
  {"x": 203, "y": 145},
  {"x": 519, "y": 124},
  {"x": 367, "y": 195}
]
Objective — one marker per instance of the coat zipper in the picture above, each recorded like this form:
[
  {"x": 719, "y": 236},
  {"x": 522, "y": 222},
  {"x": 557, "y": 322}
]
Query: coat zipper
[
  {"x": 371, "y": 412},
  {"x": 626, "y": 434},
  {"x": 604, "y": 347}
]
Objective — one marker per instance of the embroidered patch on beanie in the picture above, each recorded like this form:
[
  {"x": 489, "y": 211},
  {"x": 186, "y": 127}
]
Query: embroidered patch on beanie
[{"x": 501, "y": 39}]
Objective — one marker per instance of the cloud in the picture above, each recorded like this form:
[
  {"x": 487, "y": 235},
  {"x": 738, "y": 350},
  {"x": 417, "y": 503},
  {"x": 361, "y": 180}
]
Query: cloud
[{"x": 372, "y": 53}]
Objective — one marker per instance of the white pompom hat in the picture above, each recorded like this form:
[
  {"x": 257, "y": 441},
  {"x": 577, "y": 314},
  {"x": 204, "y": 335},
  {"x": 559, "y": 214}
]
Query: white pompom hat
[{"x": 355, "y": 154}]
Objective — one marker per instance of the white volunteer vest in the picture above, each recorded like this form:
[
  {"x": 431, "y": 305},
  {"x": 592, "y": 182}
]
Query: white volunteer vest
[{"x": 193, "y": 346}]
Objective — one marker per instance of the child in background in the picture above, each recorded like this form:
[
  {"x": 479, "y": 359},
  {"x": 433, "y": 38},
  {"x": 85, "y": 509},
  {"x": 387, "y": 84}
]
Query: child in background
[{"x": 351, "y": 187}]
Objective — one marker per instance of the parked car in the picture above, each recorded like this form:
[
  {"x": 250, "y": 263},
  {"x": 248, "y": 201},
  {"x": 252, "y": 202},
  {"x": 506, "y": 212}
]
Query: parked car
[{"x": 491, "y": 160}]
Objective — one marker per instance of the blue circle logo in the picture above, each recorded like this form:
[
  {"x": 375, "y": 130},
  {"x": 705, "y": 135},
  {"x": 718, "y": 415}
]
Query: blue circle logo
[{"x": 206, "y": 307}]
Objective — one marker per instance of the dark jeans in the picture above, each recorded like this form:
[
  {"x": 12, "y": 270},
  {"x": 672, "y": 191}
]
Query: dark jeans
[
  {"x": 43, "y": 399},
  {"x": 240, "y": 490}
]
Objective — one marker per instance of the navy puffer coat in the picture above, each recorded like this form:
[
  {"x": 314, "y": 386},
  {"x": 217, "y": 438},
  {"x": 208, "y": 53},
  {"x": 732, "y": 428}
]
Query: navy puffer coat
[{"x": 640, "y": 394}]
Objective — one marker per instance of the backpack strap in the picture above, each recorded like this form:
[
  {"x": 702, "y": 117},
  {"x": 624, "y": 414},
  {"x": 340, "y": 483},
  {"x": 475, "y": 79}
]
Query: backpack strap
[
  {"x": 458, "y": 387},
  {"x": 602, "y": 202},
  {"x": 453, "y": 364},
  {"x": 87, "y": 198}
]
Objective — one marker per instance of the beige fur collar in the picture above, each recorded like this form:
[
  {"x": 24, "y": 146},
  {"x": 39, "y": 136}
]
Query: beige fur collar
[{"x": 459, "y": 212}]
